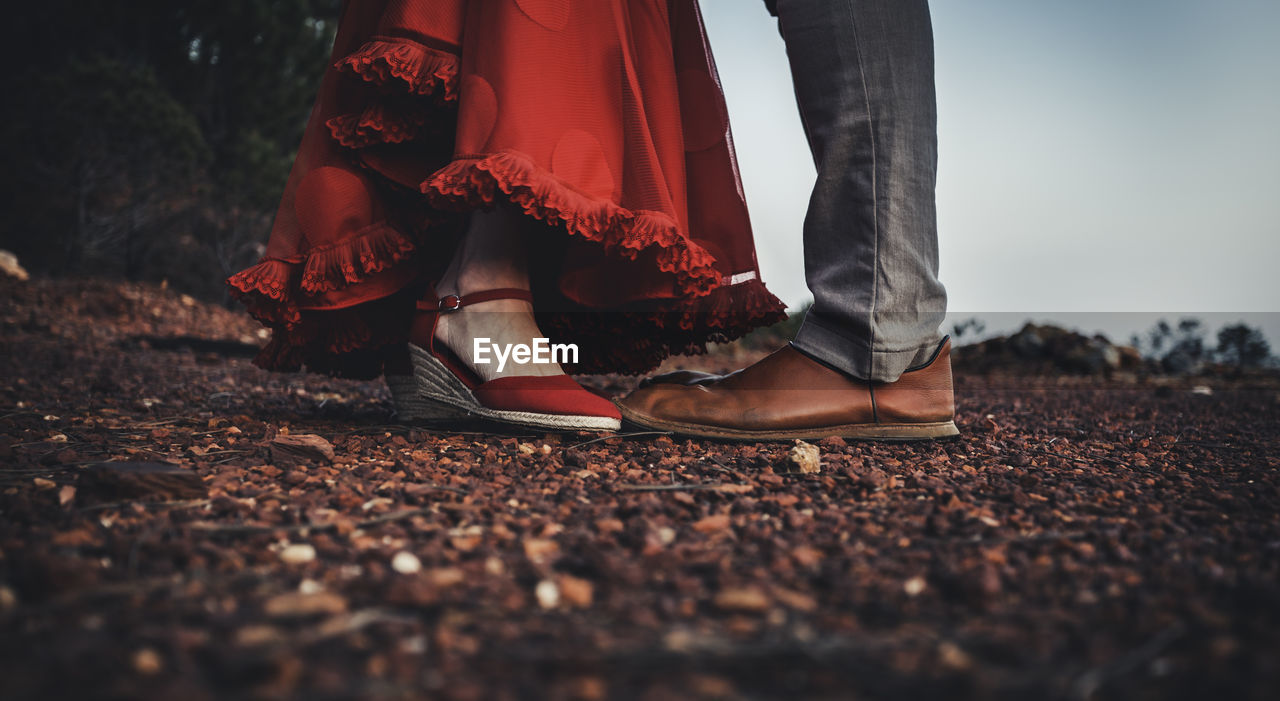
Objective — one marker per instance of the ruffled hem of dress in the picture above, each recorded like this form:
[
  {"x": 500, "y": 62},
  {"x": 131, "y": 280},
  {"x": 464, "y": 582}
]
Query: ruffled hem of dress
[
  {"x": 419, "y": 69},
  {"x": 374, "y": 249},
  {"x": 265, "y": 288},
  {"x": 380, "y": 123},
  {"x": 348, "y": 342},
  {"x": 726, "y": 314},
  {"x": 473, "y": 183}
]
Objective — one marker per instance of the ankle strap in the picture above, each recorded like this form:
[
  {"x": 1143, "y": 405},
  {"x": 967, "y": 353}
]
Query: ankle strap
[{"x": 452, "y": 303}]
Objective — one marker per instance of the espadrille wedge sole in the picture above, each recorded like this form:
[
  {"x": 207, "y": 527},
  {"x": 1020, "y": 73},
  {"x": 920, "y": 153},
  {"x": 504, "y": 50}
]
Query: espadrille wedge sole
[
  {"x": 413, "y": 408},
  {"x": 438, "y": 394}
]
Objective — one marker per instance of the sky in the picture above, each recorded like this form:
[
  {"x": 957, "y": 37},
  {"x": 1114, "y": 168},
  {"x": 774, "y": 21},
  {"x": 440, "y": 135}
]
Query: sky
[{"x": 1102, "y": 164}]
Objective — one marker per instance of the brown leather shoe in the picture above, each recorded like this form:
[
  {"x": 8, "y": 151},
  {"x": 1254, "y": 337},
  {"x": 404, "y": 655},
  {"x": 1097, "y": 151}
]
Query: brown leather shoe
[
  {"x": 789, "y": 395},
  {"x": 685, "y": 377}
]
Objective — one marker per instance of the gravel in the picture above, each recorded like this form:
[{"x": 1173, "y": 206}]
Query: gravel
[{"x": 1082, "y": 538}]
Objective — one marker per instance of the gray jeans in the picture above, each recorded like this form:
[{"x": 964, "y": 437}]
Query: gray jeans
[{"x": 863, "y": 72}]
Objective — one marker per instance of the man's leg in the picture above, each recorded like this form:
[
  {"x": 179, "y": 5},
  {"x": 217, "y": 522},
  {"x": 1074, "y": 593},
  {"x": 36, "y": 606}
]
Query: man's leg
[
  {"x": 868, "y": 362},
  {"x": 863, "y": 73}
]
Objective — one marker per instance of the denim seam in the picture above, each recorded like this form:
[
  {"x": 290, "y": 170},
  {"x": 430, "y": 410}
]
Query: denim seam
[{"x": 875, "y": 192}]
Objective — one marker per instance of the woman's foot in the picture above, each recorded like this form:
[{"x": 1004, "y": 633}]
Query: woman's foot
[
  {"x": 465, "y": 346},
  {"x": 484, "y": 337},
  {"x": 481, "y": 335}
]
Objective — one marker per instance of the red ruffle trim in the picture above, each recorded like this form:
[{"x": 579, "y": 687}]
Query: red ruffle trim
[
  {"x": 726, "y": 314},
  {"x": 476, "y": 183},
  {"x": 350, "y": 342},
  {"x": 380, "y": 123},
  {"x": 419, "y": 68},
  {"x": 375, "y": 248},
  {"x": 265, "y": 288}
]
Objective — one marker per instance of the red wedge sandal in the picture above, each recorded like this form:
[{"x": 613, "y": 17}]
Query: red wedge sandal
[{"x": 441, "y": 388}]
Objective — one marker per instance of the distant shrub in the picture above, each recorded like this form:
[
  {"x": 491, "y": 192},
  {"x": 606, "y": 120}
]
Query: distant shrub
[
  {"x": 1243, "y": 346},
  {"x": 972, "y": 325}
]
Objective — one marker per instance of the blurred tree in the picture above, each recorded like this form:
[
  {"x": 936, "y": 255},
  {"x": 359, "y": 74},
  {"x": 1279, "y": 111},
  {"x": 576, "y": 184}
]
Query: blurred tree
[
  {"x": 101, "y": 184},
  {"x": 1180, "y": 349},
  {"x": 1158, "y": 336},
  {"x": 1243, "y": 346},
  {"x": 154, "y": 124},
  {"x": 962, "y": 328},
  {"x": 1187, "y": 352}
]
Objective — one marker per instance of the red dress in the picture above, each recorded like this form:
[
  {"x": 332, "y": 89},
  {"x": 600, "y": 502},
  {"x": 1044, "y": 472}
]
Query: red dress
[{"x": 602, "y": 119}]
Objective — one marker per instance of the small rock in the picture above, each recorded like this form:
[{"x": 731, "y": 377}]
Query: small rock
[
  {"x": 835, "y": 443},
  {"x": 707, "y": 686},
  {"x": 807, "y": 556},
  {"x": 298, "y": 553},
  {"x": 610, "y": 525},
  {"x": 575, "y": 592},
  {"x": 711, "y": 524},
  {"x": 442, "y": 577},
  {"x": 914, "y": 586},
  {"x": 43, "y": 483},
  {"x": 414, "y": 645},
  {"x": 8, "y": 599},
  {"x": 298, "y": 605},
  {"x": 952, "y": 657},
  {"x": 406, "y": 563},
  {"x": 540, "y": 549},
  {"x": 796, "y": 600},
  {"x": 301, "y": 448},
  {"x": 548, "y": 594},
  {"x": 147, "y": 662},
  {"x": 743, "y": 599},
  {"x": 805, "y": 458},
  {"x": 527, "y": 449},
  {"x": 589, "y": 689},
  {"x": 259, "y": 636},
  {"x": 9, "y": 266}
]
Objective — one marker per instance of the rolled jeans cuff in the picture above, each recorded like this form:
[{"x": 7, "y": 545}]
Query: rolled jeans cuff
[{"x": 855, "y": 356}]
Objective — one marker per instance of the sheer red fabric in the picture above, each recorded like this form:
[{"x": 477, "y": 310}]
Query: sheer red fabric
[{"x": 602, "y": 120}]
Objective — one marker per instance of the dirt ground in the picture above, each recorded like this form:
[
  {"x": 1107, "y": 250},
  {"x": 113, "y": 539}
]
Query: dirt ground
[{"x": 1083, "y": 538}]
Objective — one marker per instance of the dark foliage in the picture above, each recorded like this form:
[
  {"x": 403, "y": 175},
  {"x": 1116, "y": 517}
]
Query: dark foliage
[
  {"x": 1243, "y": 346},
  {"x": 971, "y": 326},
  {"x": 1179, "y": 349},
  {"x": 151, "y": 139}
]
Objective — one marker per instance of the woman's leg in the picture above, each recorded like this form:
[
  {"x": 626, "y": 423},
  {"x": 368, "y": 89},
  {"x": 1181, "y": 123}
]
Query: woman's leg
[{"x": 491, "y": 255}]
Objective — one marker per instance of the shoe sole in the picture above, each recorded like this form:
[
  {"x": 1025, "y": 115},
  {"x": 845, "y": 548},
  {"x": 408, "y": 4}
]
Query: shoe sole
[
  {"x": 878, "y": 432},
  {"x": 437, "y": 395},
  {"x": 412, "y": 408}
]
